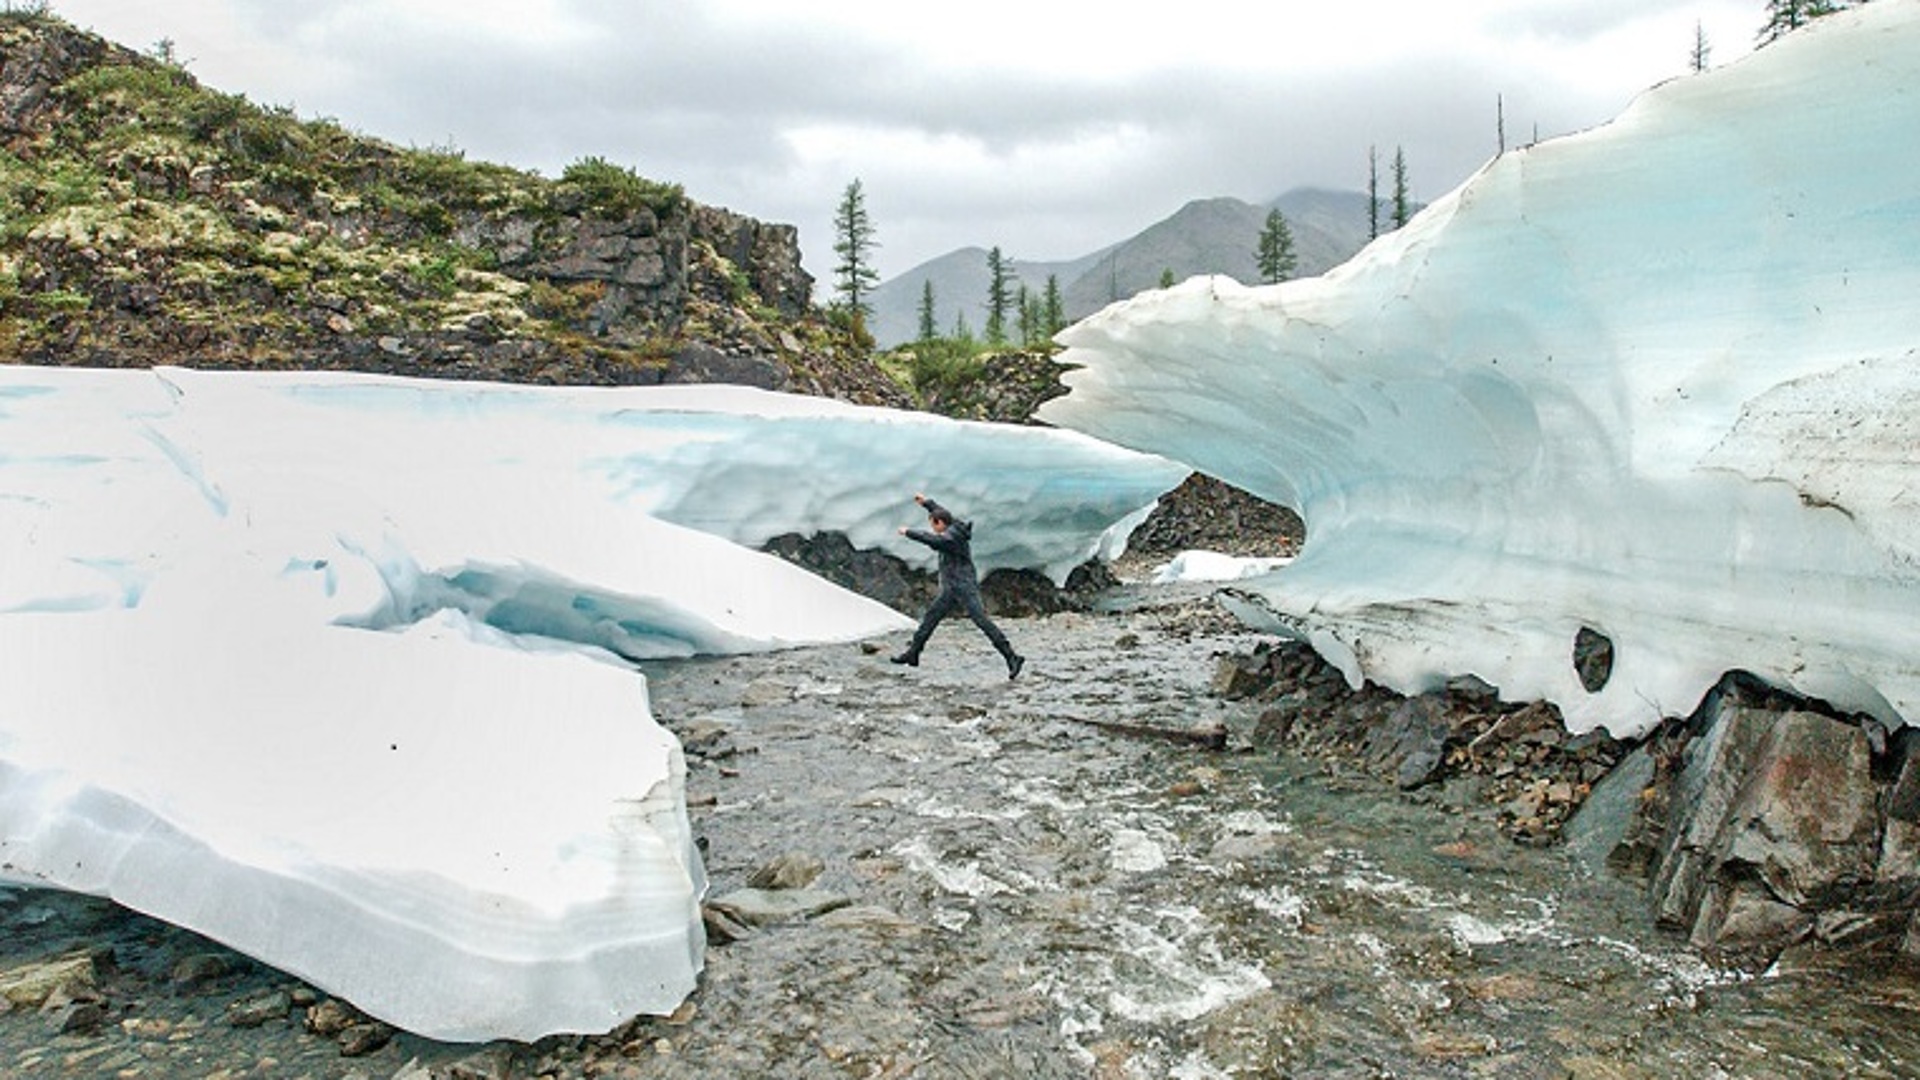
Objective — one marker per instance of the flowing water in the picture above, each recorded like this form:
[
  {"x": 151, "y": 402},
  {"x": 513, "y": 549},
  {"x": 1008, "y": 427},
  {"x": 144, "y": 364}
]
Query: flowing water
[{"x": 1016, "y": 891}]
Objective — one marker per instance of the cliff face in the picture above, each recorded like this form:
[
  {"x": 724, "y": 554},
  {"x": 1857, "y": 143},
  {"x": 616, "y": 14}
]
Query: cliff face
[{"x": 146, "y": 219}]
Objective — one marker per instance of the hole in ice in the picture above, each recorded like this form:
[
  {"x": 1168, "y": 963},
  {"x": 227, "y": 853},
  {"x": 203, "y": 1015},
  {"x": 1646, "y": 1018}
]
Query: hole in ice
[{"x": 1592, "y": 658}]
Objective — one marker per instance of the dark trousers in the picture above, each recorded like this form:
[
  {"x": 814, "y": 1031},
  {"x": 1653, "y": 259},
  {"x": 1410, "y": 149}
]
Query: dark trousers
[{"x": 944, "y": 605}]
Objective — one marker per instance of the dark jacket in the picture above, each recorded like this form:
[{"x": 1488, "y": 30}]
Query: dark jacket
[{"x": 956, "y": 553}]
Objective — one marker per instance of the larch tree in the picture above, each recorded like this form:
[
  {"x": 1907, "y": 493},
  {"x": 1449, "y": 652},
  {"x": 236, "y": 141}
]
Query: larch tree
[
  {"x": 928, "y": 331},
  {"x": 1786, "y": 16},
  {"x": 854, "y": 275},
  {"x": 1052, "y": 310},
  {"x": 1402, "y": 206},
  {"x": 1373, "y": 193},
  {"x": 999, "y": 296},
  {"x": 1275, "y": 255},
  {"x": 1028, "y": 321}
]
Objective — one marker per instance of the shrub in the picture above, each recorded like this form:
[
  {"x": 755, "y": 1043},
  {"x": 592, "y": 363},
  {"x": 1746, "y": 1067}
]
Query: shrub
[{"x": 616, "y": 191}]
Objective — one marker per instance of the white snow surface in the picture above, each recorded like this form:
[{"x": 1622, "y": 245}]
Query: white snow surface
[
  {"x": 1204, "y": 566},
  {"x": 329, "y": 667},
  {"x": 1660, "y": 379}
]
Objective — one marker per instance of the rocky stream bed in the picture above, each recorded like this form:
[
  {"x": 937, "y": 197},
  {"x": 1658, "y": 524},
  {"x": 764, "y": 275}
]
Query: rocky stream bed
[{"x": 1127, "y": 863}]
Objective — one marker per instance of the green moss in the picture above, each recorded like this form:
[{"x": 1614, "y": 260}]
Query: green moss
[{"x": 615, "y": 191}]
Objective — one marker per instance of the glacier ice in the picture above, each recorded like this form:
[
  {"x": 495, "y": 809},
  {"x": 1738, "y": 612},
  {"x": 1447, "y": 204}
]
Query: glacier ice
[
  {"x": 335, "y": 668},
  {"x": 470, "y": 842},
  {"x": 1659, "y": 379}
]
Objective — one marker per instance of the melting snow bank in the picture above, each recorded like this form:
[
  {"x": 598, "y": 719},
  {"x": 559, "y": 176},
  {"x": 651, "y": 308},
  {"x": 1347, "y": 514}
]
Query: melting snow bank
[
  {"x": 1658, "y": 380},
  {"x": 320, "y": 665},
  {"x": 466, "y": 841}
]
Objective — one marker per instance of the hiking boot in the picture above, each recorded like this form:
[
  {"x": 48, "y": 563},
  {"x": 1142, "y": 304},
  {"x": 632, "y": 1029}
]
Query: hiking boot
[
  {"x": 907, "y": 658},
  {"x": 1014, "y": 664}
]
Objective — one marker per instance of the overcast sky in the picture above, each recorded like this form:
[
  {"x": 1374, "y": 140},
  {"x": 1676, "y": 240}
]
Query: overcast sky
[{"x": 1050, "y": 129}]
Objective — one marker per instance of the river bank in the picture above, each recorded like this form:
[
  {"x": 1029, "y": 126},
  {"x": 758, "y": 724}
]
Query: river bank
[{"x": 935, "y": 872}]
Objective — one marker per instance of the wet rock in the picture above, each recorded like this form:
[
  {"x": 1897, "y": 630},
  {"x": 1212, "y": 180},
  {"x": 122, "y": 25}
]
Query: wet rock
[
  {"x": 494, "y": 1063},
  {"x": 1273, "y": 725},
  {"x": 1898, "y": 872},
  {"x": 1743, "y": 920},
  {"x": 722, "y": 927},
  {"x": 1598, "y": 835},
  {"x": 1903, "y": 798},
  {"x": 794, "y": 870},
  {"x": 193, "y": 971},
  {"x": 707, "y": 739},
  {"x": 29, "y": 985},
  {"x": 762, "y": 907},
  {"x": 1412, "y": 743},
  {"x": 1237, "y": 677},
  {"x": 1845, "y": 929},
  {"x": 331, "y": 1017},
  {"x": 76, "y": 1017},
  {"x": 767, "y": 691},
  {"x": 1780, "y": 802},
  {"x": 363, "y": 1039},
  {"x": 878, "y": 921},
  {"x": 258, "y": 1008}
]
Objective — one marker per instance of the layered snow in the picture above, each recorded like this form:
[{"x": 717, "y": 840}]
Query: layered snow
[
  {"x": 1660, "y": 379},
  {"x": 1204, "y": 566},
  {"x": 336, "y": 669}
]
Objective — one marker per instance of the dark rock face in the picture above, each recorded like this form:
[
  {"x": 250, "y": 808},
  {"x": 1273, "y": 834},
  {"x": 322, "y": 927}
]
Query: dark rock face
[
  {"x": 1763, "y": 825},
  {"x": 1771, "y": 821},
  {"x": 1210, "y": 514}
]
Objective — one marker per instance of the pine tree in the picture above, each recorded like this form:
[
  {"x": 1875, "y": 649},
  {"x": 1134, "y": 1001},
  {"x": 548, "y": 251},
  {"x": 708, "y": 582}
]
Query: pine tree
[
  {"x": 1373, "y": 193},
  {"x": 1166, "y": 277},
  {"x": 1701, "y": 50},
  {"x": 1402, "y": 208},
  {"x": 1052, "y": 310},
  {"x": 999, "y": 296},
  {"x": 854, "y": 276},
  {"x": 1275, "y": 255},
  {"x": 928, "y": 331},
  {"x": 1786, "y": 16},
  {"x": 1026, "y": 316}
]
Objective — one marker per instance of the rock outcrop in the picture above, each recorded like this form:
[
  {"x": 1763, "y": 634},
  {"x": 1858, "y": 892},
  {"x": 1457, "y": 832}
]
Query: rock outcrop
[
  {"x": 151, "y": 220},
  {"x": 1764, "y": 824}
]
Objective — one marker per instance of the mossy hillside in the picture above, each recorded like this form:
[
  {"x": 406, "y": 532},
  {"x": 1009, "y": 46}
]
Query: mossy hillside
[{"x": 145, "y": 218}]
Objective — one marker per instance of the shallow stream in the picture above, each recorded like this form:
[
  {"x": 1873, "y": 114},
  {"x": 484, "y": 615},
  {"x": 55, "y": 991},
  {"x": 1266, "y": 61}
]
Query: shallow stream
[{"x": 1017, "y": 891}]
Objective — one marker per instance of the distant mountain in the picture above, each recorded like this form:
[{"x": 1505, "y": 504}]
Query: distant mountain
[
  {"x": 1206, "y": 236},
  {"x": 960, "y": 282}
]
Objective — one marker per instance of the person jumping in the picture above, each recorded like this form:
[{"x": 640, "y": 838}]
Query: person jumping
[{"x": 958, "y": 585}]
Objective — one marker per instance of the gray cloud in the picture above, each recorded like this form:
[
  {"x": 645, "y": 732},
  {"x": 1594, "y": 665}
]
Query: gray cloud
[{"x": 773, "y": 116}]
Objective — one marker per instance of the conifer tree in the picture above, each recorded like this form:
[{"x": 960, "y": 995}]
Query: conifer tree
[
  {"x": 1402, "y": 207},
  {"x": 854, "y": 276},
  {"x": 1053, "y": 312},
  {"x": 1274, "y": 254},
  {"x": 1166, "y": 277},
  {"x": 1786, "y": 16},
  {"x": 999, "y": 296},
  {"x": 1701, "y": 50},
  {"x": 927, "y": 329},
  {"x": 1373, "y": 193}
]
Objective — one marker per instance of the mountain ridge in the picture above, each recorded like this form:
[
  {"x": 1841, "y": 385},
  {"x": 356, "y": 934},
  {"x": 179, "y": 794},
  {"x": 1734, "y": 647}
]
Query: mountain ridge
[{"x": 1209, "y": 235}]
